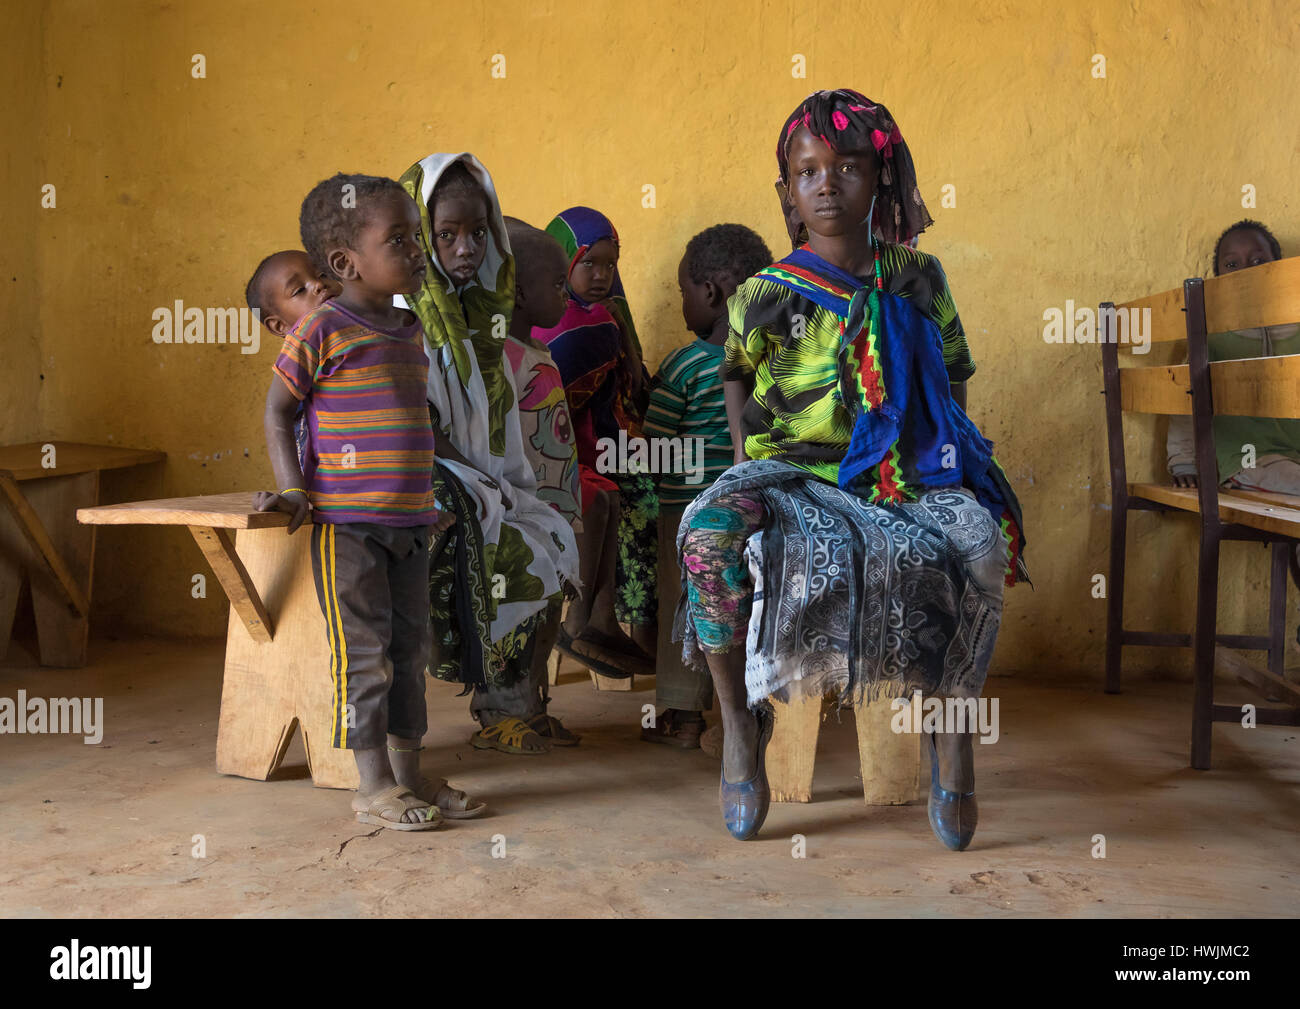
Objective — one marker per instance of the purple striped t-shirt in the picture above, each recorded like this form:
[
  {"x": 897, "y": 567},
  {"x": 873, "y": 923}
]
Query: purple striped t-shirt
[{"x": 369, "y": 453}]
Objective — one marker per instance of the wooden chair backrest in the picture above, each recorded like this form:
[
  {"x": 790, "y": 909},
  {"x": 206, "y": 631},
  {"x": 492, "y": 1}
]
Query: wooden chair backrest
[{"x": 1265, "y": 295}]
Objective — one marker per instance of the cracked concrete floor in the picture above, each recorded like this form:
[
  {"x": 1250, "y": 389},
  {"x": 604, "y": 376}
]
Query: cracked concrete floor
[{"x": 617, "y": 827}]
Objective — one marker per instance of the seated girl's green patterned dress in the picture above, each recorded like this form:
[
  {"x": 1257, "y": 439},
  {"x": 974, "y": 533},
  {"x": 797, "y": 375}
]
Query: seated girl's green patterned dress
[{"x": 877, "y": 584}]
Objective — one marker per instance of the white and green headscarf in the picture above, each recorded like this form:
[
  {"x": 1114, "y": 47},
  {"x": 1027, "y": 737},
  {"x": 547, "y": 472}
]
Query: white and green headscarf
[{"x": 471, "y": 391}]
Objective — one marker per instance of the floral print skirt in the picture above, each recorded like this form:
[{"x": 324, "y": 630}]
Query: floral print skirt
[
  {"x": 638, "y": 550},
  {"x": 826, "y": 591}
]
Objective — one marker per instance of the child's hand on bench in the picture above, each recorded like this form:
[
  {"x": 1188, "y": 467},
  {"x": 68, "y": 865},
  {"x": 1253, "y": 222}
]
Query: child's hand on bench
[{"x": 295, "y": 504}]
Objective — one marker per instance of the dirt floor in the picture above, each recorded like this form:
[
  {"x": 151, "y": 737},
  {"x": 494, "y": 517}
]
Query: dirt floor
[{"x": 617, "y": 827}]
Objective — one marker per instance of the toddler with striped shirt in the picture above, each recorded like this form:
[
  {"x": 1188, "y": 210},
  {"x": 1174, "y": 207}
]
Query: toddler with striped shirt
[{"x": 358, "y": 366}]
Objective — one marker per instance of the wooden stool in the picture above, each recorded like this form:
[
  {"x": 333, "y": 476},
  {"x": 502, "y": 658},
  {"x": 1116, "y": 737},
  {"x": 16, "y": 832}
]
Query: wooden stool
[
  {"x": 277, "y": 656},
  {"x": 43, "y": 484},
  {"x": 891, "y": 762}
]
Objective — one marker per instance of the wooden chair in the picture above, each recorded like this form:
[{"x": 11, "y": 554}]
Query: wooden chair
[{"x": 1266, "y": 295}]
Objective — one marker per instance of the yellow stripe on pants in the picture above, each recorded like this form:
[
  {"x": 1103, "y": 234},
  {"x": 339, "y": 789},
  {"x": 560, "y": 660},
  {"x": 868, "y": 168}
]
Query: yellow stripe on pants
[{"x": 338, "y": 642}]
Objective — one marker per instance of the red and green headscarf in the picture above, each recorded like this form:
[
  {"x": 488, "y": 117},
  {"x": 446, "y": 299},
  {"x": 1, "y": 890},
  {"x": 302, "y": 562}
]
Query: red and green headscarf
[
  {"x": 849, "y": 122},
  {"x": 577, "y": 230}
]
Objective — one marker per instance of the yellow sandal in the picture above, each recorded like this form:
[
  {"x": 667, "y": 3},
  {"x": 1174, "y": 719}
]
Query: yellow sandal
[{"x": 508, "y": 736}]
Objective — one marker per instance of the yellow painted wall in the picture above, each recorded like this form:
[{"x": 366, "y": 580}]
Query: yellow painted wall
[
  {"x": 1067, "y": 186},
  {"x": 22, "y": 84}
]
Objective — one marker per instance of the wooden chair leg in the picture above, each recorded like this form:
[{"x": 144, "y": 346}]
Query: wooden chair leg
[
  {"x": 792, "y": 751},
  {"x": 1277, "y": 585},
  {"x": 1115, "y": 599},
  {"x": 1203, "y": 644}
]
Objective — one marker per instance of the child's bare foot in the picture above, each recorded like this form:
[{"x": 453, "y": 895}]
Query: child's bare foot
[{"x": 396, "y": 807}]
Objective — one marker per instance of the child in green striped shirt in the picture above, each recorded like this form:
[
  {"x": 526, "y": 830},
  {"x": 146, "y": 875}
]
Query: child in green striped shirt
[{"x": 686, "y": 403}]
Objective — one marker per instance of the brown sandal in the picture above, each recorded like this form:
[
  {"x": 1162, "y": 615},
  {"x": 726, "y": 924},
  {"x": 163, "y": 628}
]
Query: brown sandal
[
  {"x": 673, "y": 729},
  {"x": 565, "y": 645},
  {"x": 459, "y": 805},
  {"x": 587, "y": 648},
  {"x": 550, "y": 729},
  {"x": 622, "y": 645}
]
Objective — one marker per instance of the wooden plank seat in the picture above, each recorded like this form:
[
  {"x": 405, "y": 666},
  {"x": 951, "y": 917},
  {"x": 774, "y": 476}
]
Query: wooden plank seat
[
  {"x": 277, "y": 659},
  {"x": 42, "y": 484},
  {"x": 1266, "y": 511},
  {"x": 1266, "y": 295}
]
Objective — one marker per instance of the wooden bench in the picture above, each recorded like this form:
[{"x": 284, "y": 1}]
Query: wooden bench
[
  {"x": 276, "y": 676},
  {"x": 42, "y": 485},
  {"x": 1266, "y": 295}
]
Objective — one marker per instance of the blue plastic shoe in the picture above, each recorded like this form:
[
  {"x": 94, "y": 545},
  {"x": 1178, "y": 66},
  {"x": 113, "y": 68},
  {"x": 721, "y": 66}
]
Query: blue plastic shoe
[
  {"x": 745, "y": 803},
  {"x": 953, "y": 815}
]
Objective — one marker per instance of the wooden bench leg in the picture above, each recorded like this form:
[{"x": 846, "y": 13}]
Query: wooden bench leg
[
  {"x": 890, "y": 761},
  {"x": 272, "y": 686},
  {"x": 555, "y": 656},
  {"x": 219, "y": 548},
  {"x": 13, "y": 554},
  {"x": 792, "y": 751},
  {"x": 59, "y": 560},
  {"x": 601, "y": 682},
  {"x": 51, "y": 493}
]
